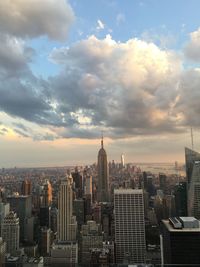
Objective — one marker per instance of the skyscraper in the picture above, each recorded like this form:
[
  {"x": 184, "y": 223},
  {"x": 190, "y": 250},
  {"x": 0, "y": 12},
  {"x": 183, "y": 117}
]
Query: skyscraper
[
  {"x": 78, "y": 183},
  {"x": 194, "y": 191},
  {"x": 129, "y": 226},
  {"x": 10, "y": 233},
  {"x": 22, "y": 205},
  {"x": 190, "y": 157},
  {"x": 192, "y": 160},
  {"x": 65, "y": 251},
  {"x": 103, "y": 183},
  {"x": 46, "y": 196},
  {"x": 180, "y": 241},
  {"x": 180, "y": 193},
  {"x": 122, "y": 161},
  {"x": 66, "y": 221},
  {"x": 26, "y": 187}
]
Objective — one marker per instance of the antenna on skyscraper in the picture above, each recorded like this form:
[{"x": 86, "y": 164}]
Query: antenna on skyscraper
[
  {"x": 192, "y": 140},
  {"x": 102, "y": 139}
]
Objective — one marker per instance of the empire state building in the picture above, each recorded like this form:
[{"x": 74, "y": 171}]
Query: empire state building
[{"x": 103, "y": 185}]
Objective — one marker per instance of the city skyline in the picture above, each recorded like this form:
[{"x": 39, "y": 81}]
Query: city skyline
[{"x": 70, "y": 70}]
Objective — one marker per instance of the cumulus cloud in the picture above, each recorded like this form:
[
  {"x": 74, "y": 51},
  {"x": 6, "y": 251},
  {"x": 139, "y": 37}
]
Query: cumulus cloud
[
  {"x": 192, "y": 49},
  {"x": 119, "y": 86},
  {"x": 35, "y": 18},
  {"x": 124, "y": 88}
]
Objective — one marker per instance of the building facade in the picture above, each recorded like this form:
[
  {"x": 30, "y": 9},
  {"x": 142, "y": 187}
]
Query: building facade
[
  {"x": 66, "y": 221},
  {"x": 180, "y": 241},
  {"x": 103, "y": 176},
  {"x": 129, "y": 226},
  {"x": 10, "y": 232}
]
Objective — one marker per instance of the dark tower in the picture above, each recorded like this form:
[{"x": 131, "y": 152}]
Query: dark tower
[{"x": 103, "y": 185}]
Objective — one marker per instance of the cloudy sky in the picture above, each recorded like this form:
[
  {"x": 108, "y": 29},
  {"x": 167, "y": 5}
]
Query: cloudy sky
[{"x": 72, "y": 69}]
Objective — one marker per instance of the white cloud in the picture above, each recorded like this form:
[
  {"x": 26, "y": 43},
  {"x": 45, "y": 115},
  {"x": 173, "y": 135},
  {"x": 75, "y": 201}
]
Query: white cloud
[
  {"x": 34, "y": 18},
  {"x": 129, "y": 87},
  {"x": 192, "y": 49},
  {"x": 100, "y": 25}
]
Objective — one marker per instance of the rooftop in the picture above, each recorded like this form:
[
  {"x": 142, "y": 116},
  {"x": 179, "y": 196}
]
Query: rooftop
[
  {"x": 128, "y": 191},
  {"x": 189, "y": 224}
]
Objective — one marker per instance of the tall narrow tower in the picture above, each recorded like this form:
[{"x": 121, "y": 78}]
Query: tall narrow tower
[
  {"x": 103, "y": 184},
  {"x": 66, "y": 221},
  {"x": 122, "y": 161}
]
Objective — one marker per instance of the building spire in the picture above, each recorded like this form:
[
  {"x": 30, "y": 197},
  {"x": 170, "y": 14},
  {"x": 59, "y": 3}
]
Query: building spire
[{"x": 102, "y": 139}]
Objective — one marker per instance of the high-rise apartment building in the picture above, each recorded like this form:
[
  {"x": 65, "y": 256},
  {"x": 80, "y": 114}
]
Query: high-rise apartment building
[
  {"x": 103, "y": 177},
  {"x": 129, "y": 226},
  {"x": 66, "y": 221},
  {"x": 10, "y": 233}
]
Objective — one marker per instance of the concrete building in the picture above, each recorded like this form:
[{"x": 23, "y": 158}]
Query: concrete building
[
  {"x": 67, "y": 224},
  {"x": 64, "y": 254},
  {"x": 78, "y": 183},
  {"x": 65, "y": 251},
  {"x": 4, "y": 210},
  {"x": 129, "y": 226},
  {"x": 45, "y": 241},
  {"x": 91, "y": 238},
  {"x": 33, "y": 262},
  {"x": 10, "y": 233},
  {"x": 79, "y": 211},
  {"x": 180, "y": 193},
  {"x": 22, "y": 205},
  {"x": 2, "y": 252}
]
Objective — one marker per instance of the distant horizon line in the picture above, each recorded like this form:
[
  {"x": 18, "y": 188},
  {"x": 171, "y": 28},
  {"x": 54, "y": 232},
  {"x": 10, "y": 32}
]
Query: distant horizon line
[{"x": 83, "y": 165}]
